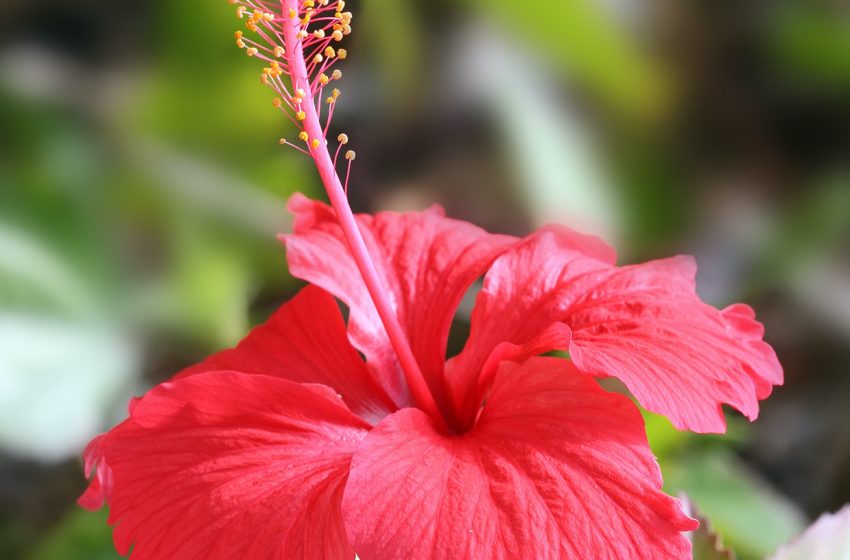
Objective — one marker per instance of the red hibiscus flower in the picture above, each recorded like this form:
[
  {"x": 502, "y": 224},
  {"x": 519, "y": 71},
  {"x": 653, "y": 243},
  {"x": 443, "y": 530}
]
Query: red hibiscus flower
[{"x": 316, "y": 438}]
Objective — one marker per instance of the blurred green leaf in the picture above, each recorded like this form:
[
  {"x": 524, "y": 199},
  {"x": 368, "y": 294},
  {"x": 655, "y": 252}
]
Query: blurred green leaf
[
  {"x": 826, "y": 539},
  {"x": 205, "y": 292},
  {"x": 752, "y": 517},
  {"x": 656, "y": 206},
  {"x": 198, "y": 184},
  {"x": 561, "y": 178},
  {"x": 15, "y": 537},
  {"x": 212, "y": 288},
  {"x": 395, "y": 41},
  {"x": 33, "y": 274},
  {"x": 52, "y": 402},
  {"x": 585, "y": 42},
  {"x": 228, "y": 115},
  {"x": 812, "y": 41},
  {"x": 707, "y": 544},
  {"x": 813, "y": 229},
  {"x": 664, "y": 438},
  {"x": 81, "y": 535},
  {"x": 668, "y": 443}
]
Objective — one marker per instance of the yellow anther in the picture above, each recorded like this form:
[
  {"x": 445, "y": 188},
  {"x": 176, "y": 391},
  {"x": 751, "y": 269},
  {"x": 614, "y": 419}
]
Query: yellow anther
[
  {"x": 350, "y": 155},
  {"x": 319, "y": 34},
  {"x": 252, "y": 51},
  {"x": 342, "y": 139},
  {"x": 301, "y": 115},
  {"x": 282, "y": 141},
  {"x": 342, "y": 54},
  {"x": 279, "y": 52},
  {"x": 337, "y": 35},
  {"x": 323, "y": 79},
  {"x": 335, "y": 93},
  {"x": 330, "y": 52},
  {"x": 240, "y": 11},
  {"x": 336, "y": 74},
  {"x": 304, "y": 136},
  {"x": 301, "y": 35},
  {"x": 292, "y": 13},
  {"x": 318, "y": 59},
  {"x": 264, "y": 78},
  {"x": 238, "y": 35},
  {"x": 300, "y": 94},
  {"x": 240, "y": 43},
  {"x": 315, "y": 143},
  {"x": 277, "y": 102}
]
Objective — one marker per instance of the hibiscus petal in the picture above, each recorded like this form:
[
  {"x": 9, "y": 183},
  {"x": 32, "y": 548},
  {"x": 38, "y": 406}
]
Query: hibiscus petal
[
  {"x": 425, "y": 260},
  {"x": 226, "y": 465},
  {"x": 589, "y": 245},
  {"x": 554, "y": 468},
  {"x": 305, "y": 341},
  {"x": 100, "y": 487},
  {"x": 643, "y": 324}
]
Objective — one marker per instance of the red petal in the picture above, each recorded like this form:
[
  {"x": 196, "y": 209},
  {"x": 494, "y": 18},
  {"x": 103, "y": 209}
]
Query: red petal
[
  {"x": 589, "y": 245},
  {"x": 425, "y": 260},
  {"x": 305, "y": 341},
  {"x": 643, "y": 324},
  {"x": 100, "y": 487},
  {"x": 555, "y": 468},
  {"x": 226, "y": 465}
]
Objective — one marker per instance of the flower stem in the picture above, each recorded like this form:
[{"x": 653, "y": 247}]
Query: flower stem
[{"x": 312, "y": 125}]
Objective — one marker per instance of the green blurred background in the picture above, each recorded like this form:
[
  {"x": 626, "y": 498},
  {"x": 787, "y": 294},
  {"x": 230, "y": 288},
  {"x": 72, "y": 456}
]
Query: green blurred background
[{"x": 141, "y": 187}]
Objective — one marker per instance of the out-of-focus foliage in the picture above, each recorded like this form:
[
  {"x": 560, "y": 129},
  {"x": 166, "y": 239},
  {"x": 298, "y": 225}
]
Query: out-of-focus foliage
[
  {"x": 590, "y": 44},
  {"x": 546, "y": 140},
  {"x": 706, "y": 543},
  {"x": 79, "y": 536},
  {"x": 744, "y": 511},
  {"x": 752, "y": 517},
  {"x": 813, "y": 44}
]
